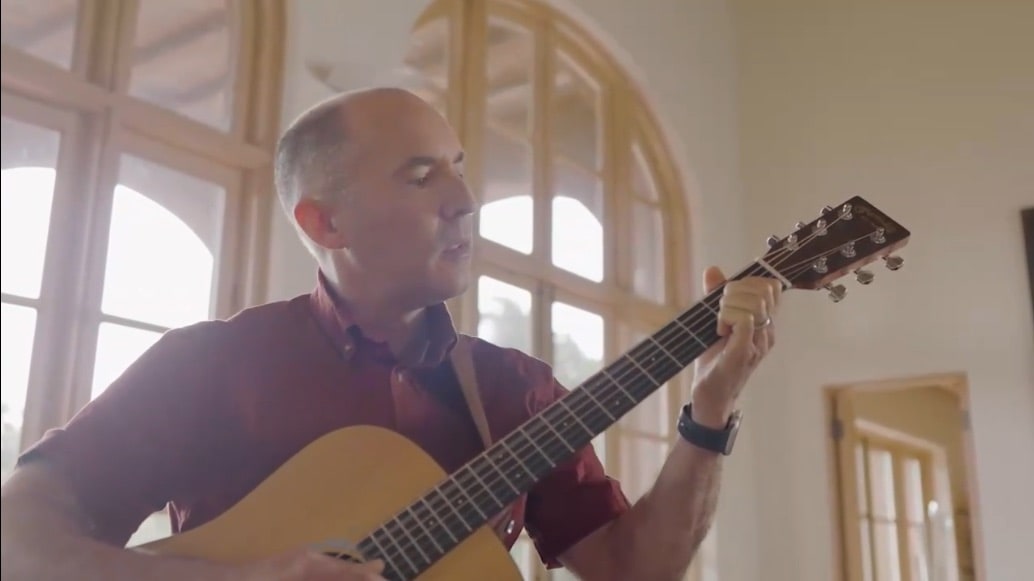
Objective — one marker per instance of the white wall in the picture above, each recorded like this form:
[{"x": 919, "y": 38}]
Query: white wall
[
  {"x": 926, "y": 109},
  {"x": 680, "y": 50}
]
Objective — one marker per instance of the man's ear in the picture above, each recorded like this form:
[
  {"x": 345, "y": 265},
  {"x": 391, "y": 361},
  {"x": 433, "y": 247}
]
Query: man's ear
[{"x": 319, "y": 222}]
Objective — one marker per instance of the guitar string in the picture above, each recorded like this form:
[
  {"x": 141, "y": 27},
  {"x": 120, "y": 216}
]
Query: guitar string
[
  {"x": 499, "y": 477},
  {"x": 502, "y": 478}
]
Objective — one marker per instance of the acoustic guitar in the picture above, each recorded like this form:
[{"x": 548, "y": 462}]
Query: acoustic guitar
[{"x": 362, "y": 492}]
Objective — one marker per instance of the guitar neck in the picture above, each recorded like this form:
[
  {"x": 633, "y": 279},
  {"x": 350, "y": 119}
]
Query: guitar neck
[{"x": 438, "y": 521}]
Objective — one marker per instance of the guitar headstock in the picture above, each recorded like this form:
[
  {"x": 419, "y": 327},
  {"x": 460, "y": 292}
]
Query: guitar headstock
[{"x": 840, "y": 241}]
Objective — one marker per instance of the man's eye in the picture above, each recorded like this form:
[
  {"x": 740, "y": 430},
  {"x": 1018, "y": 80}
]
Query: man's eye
[{"x": 421, "y": 179}]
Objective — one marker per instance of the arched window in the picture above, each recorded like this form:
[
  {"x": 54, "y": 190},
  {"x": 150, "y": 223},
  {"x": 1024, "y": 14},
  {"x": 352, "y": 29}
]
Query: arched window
[
  {"x": 137, "y": 139},
  {"x": 583, "y": 221}
]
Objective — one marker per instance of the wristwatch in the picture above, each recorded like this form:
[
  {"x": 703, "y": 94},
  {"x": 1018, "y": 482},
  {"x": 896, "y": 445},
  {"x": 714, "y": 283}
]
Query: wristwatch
[{"x": 720, "y": 441}]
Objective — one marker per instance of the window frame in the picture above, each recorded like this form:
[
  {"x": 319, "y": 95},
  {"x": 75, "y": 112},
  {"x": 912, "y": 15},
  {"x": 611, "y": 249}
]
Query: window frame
[
  {"x": 625, "y": 120},
  {"x": 99, "y": 121}
]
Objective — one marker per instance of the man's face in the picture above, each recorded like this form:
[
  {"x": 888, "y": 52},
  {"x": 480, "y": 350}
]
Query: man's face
[{"x": 408, "y": 216}]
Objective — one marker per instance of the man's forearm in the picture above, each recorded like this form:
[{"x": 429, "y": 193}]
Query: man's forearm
[
  {"x": 659, "y": 536},
  {"x": 32, "y": 551},
  {"x": 39, "y": 541}
]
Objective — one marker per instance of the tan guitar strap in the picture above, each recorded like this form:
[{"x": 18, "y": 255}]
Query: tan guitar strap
[{"x": 463, "y": 363}]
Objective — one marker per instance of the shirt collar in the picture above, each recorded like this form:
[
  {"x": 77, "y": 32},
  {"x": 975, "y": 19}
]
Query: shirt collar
[{"x": 427, "y": 349}]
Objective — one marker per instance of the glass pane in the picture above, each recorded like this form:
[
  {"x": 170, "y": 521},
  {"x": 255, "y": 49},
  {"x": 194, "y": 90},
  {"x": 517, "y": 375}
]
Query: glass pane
[
  {"x": 577, "y": 344},
  {"x": 575, "y": 112},
  {"x": 648, "y": 251},
  {"x": 29, "y": 155},
  {"x": 881, "y": 481},
  {"x": 577, "y": 222},
  {"x": 118, "y": 346},
  {"x": 509, "y": 58},
  {"x": 888, "y": 562},
  {"x": 641, "y": 459},
  {"x": 504, "y": 314},
  {"x": 913, "y": 474},
  {"x": 652, "y": 415},
  {"x": 919, "y": 561},
  {"x": 643, "y": 184},
  {"x": 43, "y": 28},
  {"x": 185, "y": 58},
  {"x": 507, "y": 214},
  {"x": 165, "y": 233},
  {"x": 864, "y": 532},
  {"x": 427, "y": 63},
  {"x": 17, "y": 333},
  {"x": 863, "y": 493}
]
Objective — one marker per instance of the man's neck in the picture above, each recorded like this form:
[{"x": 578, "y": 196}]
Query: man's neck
[{"x": 379, "y": 318}]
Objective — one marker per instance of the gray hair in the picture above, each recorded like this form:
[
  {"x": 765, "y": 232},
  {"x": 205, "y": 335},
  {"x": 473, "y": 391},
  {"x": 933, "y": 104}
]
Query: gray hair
[{"x": 308, "y": 159}]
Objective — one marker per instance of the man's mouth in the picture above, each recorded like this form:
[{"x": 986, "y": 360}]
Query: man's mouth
[{"x": 458, "y": 249}]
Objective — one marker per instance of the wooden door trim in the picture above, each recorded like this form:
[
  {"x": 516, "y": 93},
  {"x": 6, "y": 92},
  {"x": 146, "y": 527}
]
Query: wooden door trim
[{"x": 956, "y": 383}]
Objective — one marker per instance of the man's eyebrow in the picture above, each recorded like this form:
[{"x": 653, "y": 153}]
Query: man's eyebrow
[{"x": 425, "y": 161}]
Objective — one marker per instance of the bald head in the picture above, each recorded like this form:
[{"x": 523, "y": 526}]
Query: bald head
[{"x": 311, "y": 155}]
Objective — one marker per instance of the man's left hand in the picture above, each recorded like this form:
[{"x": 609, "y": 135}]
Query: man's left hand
[{"x": 747, "y": 330}]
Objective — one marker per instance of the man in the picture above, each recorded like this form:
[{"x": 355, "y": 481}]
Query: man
[{"x": 374, "y": 183}]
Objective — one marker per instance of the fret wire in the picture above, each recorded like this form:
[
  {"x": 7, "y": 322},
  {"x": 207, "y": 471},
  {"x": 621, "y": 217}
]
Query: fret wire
[
  {"x": 588, "y": 393},
  {"x": 420, "y": 523},
  {"x": 441, "y": 523},
  {"x": 548, "y": 458},
  {"x": 491, "y": 462},
  {"x": 517, "y": 457},
  {"x": 576, "y": 417},
  {"x": 405, "y": 555},
  {"x": 483, "y": 484}
]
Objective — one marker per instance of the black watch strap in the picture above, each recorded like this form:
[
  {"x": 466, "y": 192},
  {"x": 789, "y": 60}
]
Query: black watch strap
[{"x": 719, "y": 441}]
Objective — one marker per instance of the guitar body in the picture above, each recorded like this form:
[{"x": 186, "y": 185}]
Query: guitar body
[{"x": 330, "y": 495}]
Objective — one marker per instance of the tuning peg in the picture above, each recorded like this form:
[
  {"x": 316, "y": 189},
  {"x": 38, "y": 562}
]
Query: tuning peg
[
  {"x": 827, "y": 209},
  {"x": 893, "y": 262},
  {"x": 864, "y": 276},
  {"x": 772, "y": 241},
  {"x": 836, "y": 292},
  {"x": 799, "y": 225},
  {"x": 848, "y": 250}
]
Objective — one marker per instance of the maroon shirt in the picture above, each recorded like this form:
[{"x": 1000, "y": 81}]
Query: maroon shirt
[{"x": 212, "y": 409}]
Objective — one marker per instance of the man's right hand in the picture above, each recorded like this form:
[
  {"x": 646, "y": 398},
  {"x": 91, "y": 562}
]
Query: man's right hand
[{"x": 310, "y": 566}]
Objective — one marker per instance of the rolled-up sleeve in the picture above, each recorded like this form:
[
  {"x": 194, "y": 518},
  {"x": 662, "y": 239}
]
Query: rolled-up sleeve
[{"x": 575, "y": 499}]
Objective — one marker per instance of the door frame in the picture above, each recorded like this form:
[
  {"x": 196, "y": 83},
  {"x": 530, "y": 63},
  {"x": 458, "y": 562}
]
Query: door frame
[{"x": 957, "y": 384}]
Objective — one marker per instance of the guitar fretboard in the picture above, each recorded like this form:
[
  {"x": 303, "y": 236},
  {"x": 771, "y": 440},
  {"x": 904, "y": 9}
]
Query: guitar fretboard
[{"x": 443, "y": 517}]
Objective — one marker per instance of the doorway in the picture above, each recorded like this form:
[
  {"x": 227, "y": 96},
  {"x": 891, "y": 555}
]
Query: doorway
[{"x": 903, "y": 474}]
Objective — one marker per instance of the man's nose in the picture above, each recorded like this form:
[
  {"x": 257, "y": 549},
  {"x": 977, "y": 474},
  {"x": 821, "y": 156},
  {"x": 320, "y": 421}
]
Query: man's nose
[{"x": 459, "y": 200}]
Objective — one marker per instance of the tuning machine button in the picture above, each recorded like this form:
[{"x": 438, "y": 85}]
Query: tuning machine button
[
  {"x": 893, "y": 262},
  {"x": 837, "y": 292},
  {"x": 864, "y": 276}
]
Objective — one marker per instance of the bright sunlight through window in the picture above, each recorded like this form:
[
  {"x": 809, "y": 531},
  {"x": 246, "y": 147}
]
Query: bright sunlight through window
[
  {"x": 158, "y": 273},
  {"x": 576, "y": 232}
]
